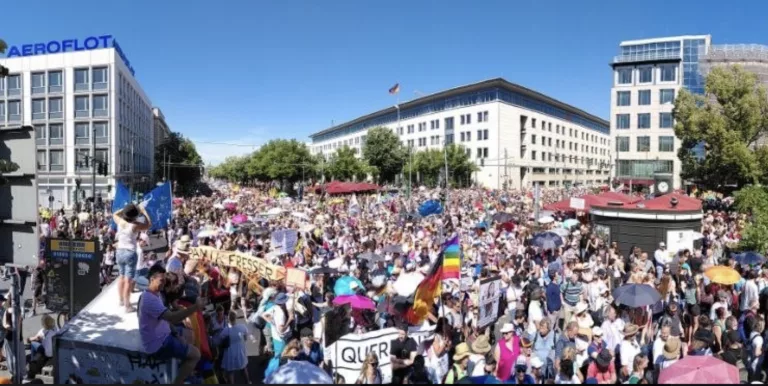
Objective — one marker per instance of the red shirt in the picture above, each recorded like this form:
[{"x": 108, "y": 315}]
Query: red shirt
[{"x": 602, "y": 377}]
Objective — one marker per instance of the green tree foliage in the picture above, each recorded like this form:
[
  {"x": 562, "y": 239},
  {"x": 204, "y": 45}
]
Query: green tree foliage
[
  {"x": 281, "y": 159},
  {"x": 753, "y": 200},
  {"x": 384, "y": 151},
  {"x": 345, "y": 166},
  {"x": 3, "y": 46},
  {"x": 186, "y": 164},
  {"x": 430, "y": 166},
  {"x": 728, "y": 119}
]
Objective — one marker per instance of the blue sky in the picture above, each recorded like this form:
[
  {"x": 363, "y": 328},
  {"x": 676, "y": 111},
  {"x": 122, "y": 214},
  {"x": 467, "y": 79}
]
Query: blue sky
[{"x": 249, "y": 71}]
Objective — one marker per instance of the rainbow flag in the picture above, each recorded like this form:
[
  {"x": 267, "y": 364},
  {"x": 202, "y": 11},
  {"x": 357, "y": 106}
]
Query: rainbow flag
[{"x": 452, "y": 259}]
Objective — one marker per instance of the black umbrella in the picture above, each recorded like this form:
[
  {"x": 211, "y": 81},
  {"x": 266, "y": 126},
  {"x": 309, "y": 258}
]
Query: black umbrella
[
  {"x": 324, "y": 270},
  {"x": 503, "y": 217},
  {"x": 636, "y": 295},
  {"x": 394, "y": 248}
]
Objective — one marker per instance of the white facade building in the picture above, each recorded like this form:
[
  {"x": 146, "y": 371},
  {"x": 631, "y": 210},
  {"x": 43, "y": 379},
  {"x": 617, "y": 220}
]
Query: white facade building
[
  {"x": 81, "y": 103},
  {"x": 515, "y": 135},
  {"x": 647, "y": 76}
]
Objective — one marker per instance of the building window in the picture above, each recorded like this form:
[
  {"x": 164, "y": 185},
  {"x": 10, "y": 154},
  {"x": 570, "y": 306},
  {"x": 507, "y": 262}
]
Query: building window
[
  {"x": 643, "y": 143},
  {"x": 667, "y": 96},
  {"x": 100, "y": 78},
  {"x": 38, "y": 83},
  {"x": 449, "y": 123},
  {"x": 668, "y": 73},
  {"x": 38, "y": 109},
  {"x": 57, "y": 160},
  {"x": 101, "y": 155},
  {"x": 622, "y": 121},
  {"x": 643, "y": 168},
  {"x": 81, "y": 155},
  {"x": 622, "y": 144},
  {"x": 81, "y": 79},
  {"x": 644, "y": 121},
  {"x": 533, "y": 139},
  {"x": 624, "y": 75},
  {"x": 55, "y": 108},
  {"x": 533, "y": 123},
  {"x": 40, "y": 135},
  {"x": 645, "y": 75},
  {"x": 56, "y": 134},
  {"x": 42, "y": 165},
  {"x": 14, "y": 85},
  {"x": 482, "y": 152},
  {"x": 666, "y": 143},
  {"x": 644, "y": 97},
  {"x": 82, "y": 109},
  {"x": 100, "y": 106},
  {"x": 2, "y": 109},
  {"x": 533, "y": 155},
  {"x": 82, "y": 134},
  {"x": 410, "y": 129},
  {"x": 623, "y": 98},
  {"x": 101, "y": 133},
  {"x": 14, "y": 110},
  {"x": 665, "y": 120},
  {"x": 482, "y": 116},
  {"x": 55, "y": 84}
]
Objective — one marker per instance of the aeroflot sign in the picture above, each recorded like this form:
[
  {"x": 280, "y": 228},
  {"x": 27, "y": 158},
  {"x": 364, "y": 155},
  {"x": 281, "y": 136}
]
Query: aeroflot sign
[{"x": 58, "y": 46}]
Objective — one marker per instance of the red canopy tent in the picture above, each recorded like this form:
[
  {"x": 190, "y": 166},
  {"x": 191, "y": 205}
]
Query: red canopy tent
[
  {"x": 338, "y": 187},
  {"x": 590, "y": 200}
]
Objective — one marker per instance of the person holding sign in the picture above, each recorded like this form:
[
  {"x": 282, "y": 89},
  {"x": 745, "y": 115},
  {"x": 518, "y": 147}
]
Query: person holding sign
[{"x": 129, "y": 227}]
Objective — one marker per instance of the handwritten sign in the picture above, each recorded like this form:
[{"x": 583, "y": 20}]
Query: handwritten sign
[
  {"x": 296, "y": 277},
  {"x": 247, "y": 264}
]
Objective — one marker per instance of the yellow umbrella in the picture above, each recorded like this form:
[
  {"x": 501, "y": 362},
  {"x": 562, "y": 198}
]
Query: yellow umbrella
[{"x": 723, "y": 275}]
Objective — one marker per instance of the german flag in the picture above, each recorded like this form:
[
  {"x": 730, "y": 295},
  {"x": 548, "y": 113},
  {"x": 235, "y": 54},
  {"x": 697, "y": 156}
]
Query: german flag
[
  {"x": 395, "y": 89},
  {"x": 426, "y": 292}
]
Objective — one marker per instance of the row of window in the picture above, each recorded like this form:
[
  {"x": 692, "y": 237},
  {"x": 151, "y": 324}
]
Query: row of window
[
  {"x": 85, "y": 133},
  {"x": 466, "y": 136},
  {"x": 53, "y": 160},
  {"x": 667, "y": 73},
  {"x": 666, "y": 144},
  {"x": 643, "y": 168},
  {"x": 624, "y": 98},
  {"x": 573, "y": 133},
  {"x": 644, "y": 121},
  {"x": 555, "y": 157},
  {"x": 465, "y": 119},
  {"x": 573, "y": 146},
  {"x": 86, "y": 79}
]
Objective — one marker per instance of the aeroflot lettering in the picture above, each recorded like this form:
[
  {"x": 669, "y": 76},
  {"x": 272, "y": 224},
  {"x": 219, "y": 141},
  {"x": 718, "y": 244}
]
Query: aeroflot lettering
[{"x": 68, "y": 45}]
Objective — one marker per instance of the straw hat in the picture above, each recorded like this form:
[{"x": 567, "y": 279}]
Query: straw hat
[
  {"x": 581, "y": 307},
  {"x": 481, "y": 345},
  {"x": 462, "y": 351},
  {"x": 672, "y": 348},
  {"x": 630, "y": 330}
]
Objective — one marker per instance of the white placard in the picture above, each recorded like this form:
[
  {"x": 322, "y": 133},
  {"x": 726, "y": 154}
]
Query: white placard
[
  {"x": 577, "y": 203},
  {"x": 488, "y": 303},
  {"x": 680, "y": 239},
  {"x": 466, "y": 283},
  {"x": 349, "y": 352}
]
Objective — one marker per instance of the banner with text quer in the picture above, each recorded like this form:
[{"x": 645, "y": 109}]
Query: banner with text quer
[
  {"x": 159, "y": 205},
  {"x": 122, "y": 198}
]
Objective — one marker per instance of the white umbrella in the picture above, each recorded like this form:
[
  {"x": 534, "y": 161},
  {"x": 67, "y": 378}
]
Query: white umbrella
[
  {"x": 274, "y": 211},
  {"x": 297, "y": 373},
  {"x": 407, "y": 283},
  {"x": 301, "y": 216},
  {"x": 546, "y": 220},
  {"x": 207, "y": 233}
]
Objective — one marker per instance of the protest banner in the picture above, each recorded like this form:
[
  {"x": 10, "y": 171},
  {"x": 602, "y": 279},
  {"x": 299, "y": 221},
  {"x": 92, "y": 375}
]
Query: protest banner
[
  {"x": 247, "y": 264},
  {"x": 296, "y": 277},
  {"x": 488, "y": 303},
  {"x": 349, "y": 352}
]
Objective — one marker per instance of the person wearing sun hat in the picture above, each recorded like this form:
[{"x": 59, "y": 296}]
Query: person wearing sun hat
[
  {"x": 602, "y": 368},
  {"x": 480, "y": 348},
  {"x": 629, "y": 348},
  {"x": 460, "y": 362}
]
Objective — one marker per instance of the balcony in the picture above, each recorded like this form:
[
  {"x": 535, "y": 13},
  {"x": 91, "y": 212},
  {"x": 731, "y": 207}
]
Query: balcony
[{"x": 647, "y": 57}]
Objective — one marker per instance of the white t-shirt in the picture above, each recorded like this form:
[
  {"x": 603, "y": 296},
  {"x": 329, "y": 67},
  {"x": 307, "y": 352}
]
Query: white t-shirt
[
  {"x": 126, "y": 236},
  {"x": 278, "y": 323},
  {"x": 756, "y": 341},
  {"x": 629, "y": 349}
]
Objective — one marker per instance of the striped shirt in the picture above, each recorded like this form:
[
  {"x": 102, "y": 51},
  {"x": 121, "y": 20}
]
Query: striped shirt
[{"x": 571, "y": 292}]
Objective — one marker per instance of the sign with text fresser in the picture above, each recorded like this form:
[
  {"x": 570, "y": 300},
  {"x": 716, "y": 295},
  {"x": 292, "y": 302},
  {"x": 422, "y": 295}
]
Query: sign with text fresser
[
  {"x": 247, "y": 264},
  {"x": 349, "y": 352}
]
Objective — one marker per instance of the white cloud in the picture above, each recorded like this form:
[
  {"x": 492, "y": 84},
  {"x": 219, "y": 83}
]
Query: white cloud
[{"x": 215, "y": 150}]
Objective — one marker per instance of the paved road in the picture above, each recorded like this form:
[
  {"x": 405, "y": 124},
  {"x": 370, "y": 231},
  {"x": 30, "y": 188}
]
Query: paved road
[{"x": 32, "y": 325}]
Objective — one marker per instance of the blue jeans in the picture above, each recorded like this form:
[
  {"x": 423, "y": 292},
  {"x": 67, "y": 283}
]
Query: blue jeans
[
  {"x": 142, "y": 281},
  {"x": 126, "y": 262}
]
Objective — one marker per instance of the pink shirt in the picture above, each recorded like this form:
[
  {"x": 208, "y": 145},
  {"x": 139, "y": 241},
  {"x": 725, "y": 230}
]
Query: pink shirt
[{"x": 507, "y": 358}]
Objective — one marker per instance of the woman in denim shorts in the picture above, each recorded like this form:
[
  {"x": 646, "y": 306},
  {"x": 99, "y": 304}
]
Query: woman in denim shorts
[{"x": 131, "y": 221}]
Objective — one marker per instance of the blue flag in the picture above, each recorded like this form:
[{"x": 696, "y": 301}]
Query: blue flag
[
  {"x": 159, "y": 206},
  {"x": 122, "y": 198}
]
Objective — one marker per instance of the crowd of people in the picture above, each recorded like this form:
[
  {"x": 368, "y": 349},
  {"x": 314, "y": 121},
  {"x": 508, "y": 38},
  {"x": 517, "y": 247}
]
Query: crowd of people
[{"x": 558, "y": 319}]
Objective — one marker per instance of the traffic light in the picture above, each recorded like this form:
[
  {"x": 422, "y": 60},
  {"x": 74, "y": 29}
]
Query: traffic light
[
  {"x": 77, "y": 183},
  {"x": 87, "y": 165}
]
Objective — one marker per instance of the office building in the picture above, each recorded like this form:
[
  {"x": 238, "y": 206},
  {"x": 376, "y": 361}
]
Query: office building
[
  {"x": 161, "y": 131},
  {"x": 647, "y": 76},
  {"x": 84, "y": 101},
  {"x": 516, "y": 136}
]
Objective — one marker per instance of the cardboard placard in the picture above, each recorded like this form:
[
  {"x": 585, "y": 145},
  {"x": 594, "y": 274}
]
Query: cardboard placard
[
  {"x": 247, "y": 264},
  {"x": 296, "y": 277}
]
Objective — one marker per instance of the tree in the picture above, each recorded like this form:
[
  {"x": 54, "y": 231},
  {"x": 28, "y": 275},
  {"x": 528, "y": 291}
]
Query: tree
[
  {"x": 344, "y": 165},
  {"x": 460, "y": 166},
  {"x": 282, "y": 159},
  {"x": 728, "y": 120},
  {"x": 384, "y": 151},
  {"x": 185, "y": 163}
]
